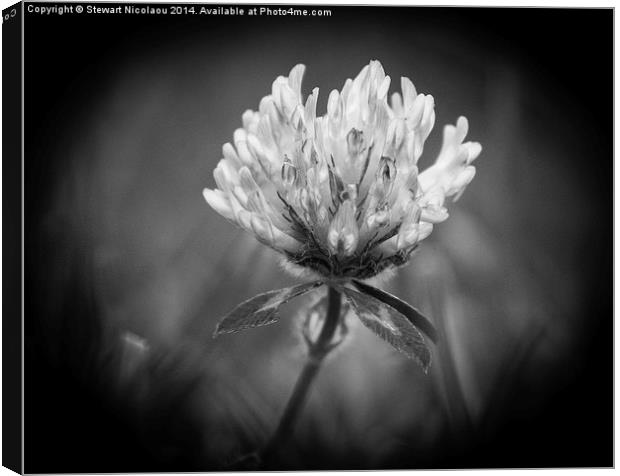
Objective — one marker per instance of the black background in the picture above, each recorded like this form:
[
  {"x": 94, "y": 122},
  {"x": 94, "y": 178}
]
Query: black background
[{"x": 72, "y": 424}]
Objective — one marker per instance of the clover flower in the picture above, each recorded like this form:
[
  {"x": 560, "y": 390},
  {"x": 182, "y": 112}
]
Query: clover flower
[{"x": 340, "y": 194}]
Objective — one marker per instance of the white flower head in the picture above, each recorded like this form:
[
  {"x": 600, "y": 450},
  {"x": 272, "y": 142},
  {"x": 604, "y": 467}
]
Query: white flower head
[{"x": 340, "y": 194}]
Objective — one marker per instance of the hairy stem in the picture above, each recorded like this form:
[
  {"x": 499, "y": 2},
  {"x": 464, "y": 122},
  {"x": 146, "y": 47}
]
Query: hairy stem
[{"x": 316, "y": 354}]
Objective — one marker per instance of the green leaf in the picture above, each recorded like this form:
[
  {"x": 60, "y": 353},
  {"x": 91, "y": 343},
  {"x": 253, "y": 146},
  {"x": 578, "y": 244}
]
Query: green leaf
[
  {"x": 407, "y": 310},
  {"x": 261, "y": 309},
  {"x": 390, "y": 325}
]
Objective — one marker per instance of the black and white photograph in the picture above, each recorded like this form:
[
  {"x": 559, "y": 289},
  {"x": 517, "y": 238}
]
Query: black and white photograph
[{"x": 307, "y": 237}]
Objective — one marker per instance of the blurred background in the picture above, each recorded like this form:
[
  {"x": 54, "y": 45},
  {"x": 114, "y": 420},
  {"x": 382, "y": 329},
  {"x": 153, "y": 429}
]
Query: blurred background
[{"x": 128, "y": 270}]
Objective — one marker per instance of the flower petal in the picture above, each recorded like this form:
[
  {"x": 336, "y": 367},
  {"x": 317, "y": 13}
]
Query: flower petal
[
  {"x": 219, "y": 202},
  {"x": 294, "y": 79},
  {"x": 322, "y": 189}
]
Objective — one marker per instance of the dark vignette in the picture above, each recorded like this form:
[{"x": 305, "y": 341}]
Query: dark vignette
[{"x": 73, "y": 424}]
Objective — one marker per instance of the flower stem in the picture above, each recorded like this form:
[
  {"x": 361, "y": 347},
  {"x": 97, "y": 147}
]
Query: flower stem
[{"x": 318, "y": 351}]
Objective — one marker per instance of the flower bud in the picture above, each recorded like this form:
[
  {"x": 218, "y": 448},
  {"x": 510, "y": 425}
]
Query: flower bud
[
  {"x": 289, "y": 173},
  {"x": 355, "y": 142},
  {"x": 386, "y": 174}
]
